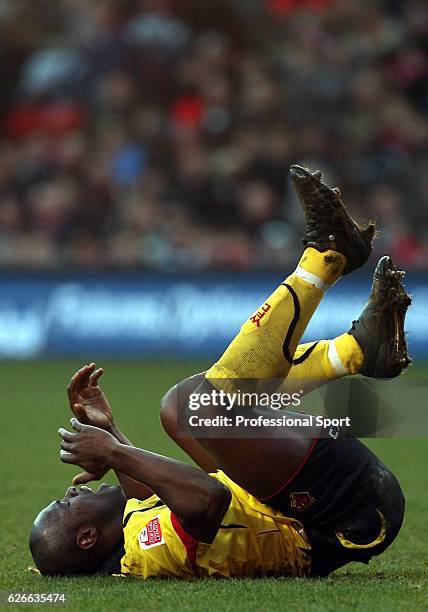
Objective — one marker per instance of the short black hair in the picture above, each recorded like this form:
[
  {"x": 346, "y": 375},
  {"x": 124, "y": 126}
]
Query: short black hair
[{"x": 54, "y": 549}]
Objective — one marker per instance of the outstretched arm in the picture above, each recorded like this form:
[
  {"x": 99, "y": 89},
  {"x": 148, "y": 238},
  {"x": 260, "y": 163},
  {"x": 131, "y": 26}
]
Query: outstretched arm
[{"x": 198, "y": 500}]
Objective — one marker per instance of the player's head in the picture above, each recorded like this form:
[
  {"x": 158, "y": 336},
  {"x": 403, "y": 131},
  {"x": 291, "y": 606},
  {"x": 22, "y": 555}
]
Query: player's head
[{"x": 77, "y": 534}]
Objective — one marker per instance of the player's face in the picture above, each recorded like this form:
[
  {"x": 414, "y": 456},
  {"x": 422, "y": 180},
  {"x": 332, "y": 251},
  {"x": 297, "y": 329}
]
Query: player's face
[{"x": 84, "y": 504}]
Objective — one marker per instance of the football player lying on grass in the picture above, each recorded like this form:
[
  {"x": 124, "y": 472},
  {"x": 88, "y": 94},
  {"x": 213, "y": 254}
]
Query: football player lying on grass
[{"x": 301, "y": 505}]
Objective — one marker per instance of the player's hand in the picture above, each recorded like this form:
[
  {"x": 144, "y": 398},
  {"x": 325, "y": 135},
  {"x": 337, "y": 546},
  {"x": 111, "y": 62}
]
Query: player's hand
[
  {"x": 86, "y": 477},
  {"x": 89, "y": 447},
  {"x": 87, "y": 400}
]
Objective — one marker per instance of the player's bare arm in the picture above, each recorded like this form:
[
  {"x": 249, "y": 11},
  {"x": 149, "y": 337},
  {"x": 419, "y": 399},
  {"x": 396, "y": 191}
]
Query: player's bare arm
[
  {"x": 198, "y": 500},
  {"x": 90, "y": 405}
]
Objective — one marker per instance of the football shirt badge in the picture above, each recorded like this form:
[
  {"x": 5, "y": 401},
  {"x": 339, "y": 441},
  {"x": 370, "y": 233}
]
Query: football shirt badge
[{"x": 151, "y": 534}]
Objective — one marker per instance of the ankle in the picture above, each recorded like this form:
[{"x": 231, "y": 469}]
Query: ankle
[
  {"x": 321, "y": 269},
  {"x": 346, "y": 352}
]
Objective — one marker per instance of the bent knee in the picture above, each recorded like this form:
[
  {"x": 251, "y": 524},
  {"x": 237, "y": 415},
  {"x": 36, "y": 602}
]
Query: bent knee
[
  {"x": 168, "y": 409},
  {"x": 175, "y": 400}
]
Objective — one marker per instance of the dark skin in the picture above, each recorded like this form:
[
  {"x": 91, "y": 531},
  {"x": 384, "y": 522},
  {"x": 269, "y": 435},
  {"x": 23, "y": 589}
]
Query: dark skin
[
  {"x": 209, "y": 453},
  {"x": 171, "y": 404},
  {"x": 90, "y": 406},
  {"x": 201, "y": 451},
  {"x": 95, "y": 519},
  {"x": 96, "y": 450},
  {"x": 98, "y": 445},
  {"x": 84, "y": 528},
  {"x": 243, "y": 459},
  {"x": 175, "y": 400}
]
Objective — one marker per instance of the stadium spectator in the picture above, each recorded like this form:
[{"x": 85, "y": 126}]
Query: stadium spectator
[{"x": 157, "y": 133}]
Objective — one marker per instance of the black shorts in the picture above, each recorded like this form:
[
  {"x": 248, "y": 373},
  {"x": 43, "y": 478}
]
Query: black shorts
[{"x": 349, "y": 502}]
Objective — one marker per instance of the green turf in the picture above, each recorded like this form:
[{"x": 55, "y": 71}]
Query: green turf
[{"x": 33, "y": 406}]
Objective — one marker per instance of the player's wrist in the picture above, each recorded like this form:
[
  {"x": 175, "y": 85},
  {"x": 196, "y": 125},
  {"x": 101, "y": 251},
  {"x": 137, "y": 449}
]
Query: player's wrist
[
  {"x": 119, "y": 435},
  {"x": 117, "y": 455}
]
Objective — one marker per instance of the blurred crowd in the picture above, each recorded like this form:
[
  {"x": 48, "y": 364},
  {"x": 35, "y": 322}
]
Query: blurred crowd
[{"x": 158, "y": 133}]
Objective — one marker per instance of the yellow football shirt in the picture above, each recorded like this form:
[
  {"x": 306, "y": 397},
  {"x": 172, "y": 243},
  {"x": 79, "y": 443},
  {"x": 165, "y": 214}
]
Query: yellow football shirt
[{"x": 253, "y": 540}]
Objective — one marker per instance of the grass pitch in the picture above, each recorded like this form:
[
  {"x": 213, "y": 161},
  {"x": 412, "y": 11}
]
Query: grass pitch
[{"x": 34, "y": 405}]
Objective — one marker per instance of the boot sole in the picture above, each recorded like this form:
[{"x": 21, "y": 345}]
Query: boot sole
[{"x": 392, "y": 356}]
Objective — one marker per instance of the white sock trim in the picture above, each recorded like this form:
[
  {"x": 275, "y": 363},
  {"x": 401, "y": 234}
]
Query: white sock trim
[
  {"x": 310, "y": 278},
  {"x": 335, "y": 360}
]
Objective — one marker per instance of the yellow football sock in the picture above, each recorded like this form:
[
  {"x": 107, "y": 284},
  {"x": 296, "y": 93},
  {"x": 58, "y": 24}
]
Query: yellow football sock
[
  {"x": 317, "y": 363},
  {"x": 265, "y": 345},
  {"x": 349, "y": 353}
]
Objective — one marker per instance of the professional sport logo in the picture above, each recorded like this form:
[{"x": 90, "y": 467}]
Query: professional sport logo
[{"x": 151, "y": 534}]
